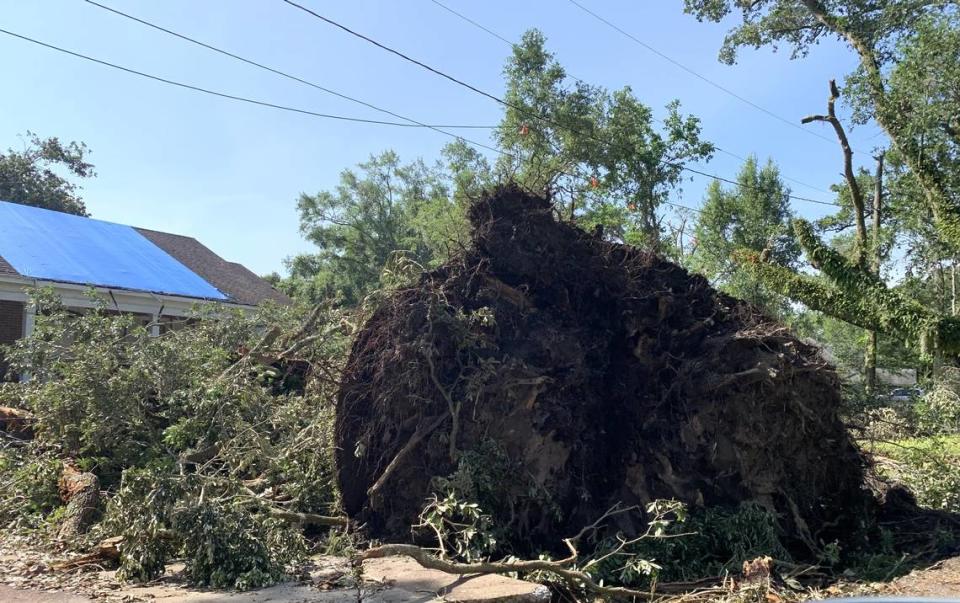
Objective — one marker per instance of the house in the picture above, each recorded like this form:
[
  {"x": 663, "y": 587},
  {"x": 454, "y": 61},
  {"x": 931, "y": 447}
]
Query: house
[{"x": 157, "y": 275}]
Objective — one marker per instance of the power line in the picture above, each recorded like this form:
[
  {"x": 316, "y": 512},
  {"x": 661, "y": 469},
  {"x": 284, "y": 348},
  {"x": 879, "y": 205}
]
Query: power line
[
  {"x": 278, "y": 71},
  {"x": 696, "y": 74},
  {"x": 784, "y": 176},
  {"x": 232, "y": 96},
  {"x": 681, "y": 206},
  {"x": 472, "y": 22},
  {"x": 503, "y": 102},
  {"x": 506, "y": 41},
  {"x": 511, "y": 44},
  {"x": 398, "y": 53}
]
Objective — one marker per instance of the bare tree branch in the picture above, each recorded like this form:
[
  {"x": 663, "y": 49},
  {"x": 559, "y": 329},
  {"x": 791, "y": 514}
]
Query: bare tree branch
[{"x": 855, "y": 193}]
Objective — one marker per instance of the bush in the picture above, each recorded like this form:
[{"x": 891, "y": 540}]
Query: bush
[
  {"x": 931, "y": 472},
  {"x": 938, "y": 411},
  {"x": 28, "y": 487},
  {"x": 715, "y": 541},
  {"x": 196, "y": 434}
]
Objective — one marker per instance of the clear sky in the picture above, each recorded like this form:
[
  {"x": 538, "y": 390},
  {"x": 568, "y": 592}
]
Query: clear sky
[{"x": 229, "y": 174}]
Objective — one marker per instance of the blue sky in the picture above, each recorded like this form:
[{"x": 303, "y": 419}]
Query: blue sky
[{"x": 229, "y": 174}]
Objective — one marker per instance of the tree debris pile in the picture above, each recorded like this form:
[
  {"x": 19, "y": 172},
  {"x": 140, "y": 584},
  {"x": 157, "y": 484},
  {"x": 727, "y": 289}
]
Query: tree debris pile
[{"x": 549, "y": 374}]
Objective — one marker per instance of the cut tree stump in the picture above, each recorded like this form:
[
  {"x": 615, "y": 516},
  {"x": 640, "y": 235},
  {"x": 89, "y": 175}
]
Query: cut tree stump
[{"x": 81, "y": 491}]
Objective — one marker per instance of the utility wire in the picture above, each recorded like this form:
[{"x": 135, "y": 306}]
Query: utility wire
[
  {"x": 398, "y": 53},
  {"x": 256, "y": 102},
  {"x": 511, "y": 44},
  {"x": 697, "y": 75},
  {"x": 233, "y": 96},
  {"x": 506, "y": 41},
  {"x": 472, "y": 22},
  {"x": 681, "y": 206},
  {"x": 278, "y": 71},
  {"x": 784, "y": 176},
  {"x": 503, "y": 102}
]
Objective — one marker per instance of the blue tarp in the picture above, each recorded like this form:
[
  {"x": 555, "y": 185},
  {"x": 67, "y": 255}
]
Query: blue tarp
[{"x": 54, "y": 246}]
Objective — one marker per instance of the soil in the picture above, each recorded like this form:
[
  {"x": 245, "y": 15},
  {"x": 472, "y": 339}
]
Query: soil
[
  {"x": 551, "y": 374},
  {"x": 939, "y": 580}
]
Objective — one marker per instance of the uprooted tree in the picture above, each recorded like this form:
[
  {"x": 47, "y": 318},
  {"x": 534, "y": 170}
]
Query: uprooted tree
[{"x": 549, "y": 374}]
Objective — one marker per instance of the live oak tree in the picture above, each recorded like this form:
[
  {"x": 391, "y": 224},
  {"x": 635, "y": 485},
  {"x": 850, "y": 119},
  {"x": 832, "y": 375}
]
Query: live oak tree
[
  {"x": 906, "y": 81},
  {"x": 601, "y": 154},
  {"x": 31, "y": 177}
]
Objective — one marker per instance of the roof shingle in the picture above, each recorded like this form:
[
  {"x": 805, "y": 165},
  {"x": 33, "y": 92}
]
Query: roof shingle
[
  {"x": 6, "y": 268},
  {"x": 235, "y": 280}
]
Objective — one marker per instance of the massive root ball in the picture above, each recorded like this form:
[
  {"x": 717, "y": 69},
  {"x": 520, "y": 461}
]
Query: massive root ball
[{"x": 549, "y": 374}]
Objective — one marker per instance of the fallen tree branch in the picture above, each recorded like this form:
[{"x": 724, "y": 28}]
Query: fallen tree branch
[
  {"x": 309, "y": 519},
  {"x": 107, "y": 550},
  {"x": 575, "y": 578}
]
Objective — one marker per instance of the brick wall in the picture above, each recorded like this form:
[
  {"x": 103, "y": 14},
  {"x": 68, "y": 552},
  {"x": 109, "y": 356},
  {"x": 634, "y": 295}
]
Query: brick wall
[{"x": 11, "y": 326}]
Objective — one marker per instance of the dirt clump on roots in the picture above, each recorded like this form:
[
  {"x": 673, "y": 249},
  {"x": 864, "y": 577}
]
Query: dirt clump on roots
[{"x": 551, "y": 374}]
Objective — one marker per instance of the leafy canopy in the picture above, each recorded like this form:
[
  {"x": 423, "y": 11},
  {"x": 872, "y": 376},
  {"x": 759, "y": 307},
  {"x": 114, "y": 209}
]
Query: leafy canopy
[
  {"x": 386, "y": 212},
  {"x": 30, "y": 177},
  {"x": 755, "y": 215},
  {"x": 600, "y": 153},
  {"x": 906, "y": 80}
]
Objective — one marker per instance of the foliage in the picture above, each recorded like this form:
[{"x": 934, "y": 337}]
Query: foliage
[
  {"x": 756, "y": 216},
  {"x": 931, "y": 470},
  {"x": 701, "y": 543},
  {"x": 226, "y": 541},
  {"x": 199, "y": 435},
  {"x": 387, "y": 210},
  {"x": 856, "y": 296},
  {"x": 28, "y": 487},
  {"x": 598, "y": 152},
  {"x": 30, "y": 177},
  {"x": 462, "y": 530},
  {"x": 227, "y": 546},
  {"x": 938, "y": 411},
  {"x": 906, "y": 75}
]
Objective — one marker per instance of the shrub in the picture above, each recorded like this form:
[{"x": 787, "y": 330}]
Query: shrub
[
  {"x": 932, "y": 473},
  {"x": 28, "y": 487},
  {"x": 938, "y": 411},
  {"x": 196, "y": 434}
]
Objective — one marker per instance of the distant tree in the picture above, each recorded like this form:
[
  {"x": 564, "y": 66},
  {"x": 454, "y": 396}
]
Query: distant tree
[
  {"x": 29, "y": 176},
  {"x": 755, "y": 215},
  {"x": 384, "y": 212},
  {"x": 601, "y": 154}
]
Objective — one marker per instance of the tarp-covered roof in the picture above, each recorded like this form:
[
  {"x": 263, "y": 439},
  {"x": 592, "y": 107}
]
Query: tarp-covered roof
[{"x": 53, "y": 246}]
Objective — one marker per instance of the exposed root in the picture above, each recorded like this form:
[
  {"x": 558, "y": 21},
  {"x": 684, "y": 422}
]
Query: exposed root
[{"x": 600, "y": 373}]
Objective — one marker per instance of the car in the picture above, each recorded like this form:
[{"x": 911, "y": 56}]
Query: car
[{"x": 904, "y": 394}]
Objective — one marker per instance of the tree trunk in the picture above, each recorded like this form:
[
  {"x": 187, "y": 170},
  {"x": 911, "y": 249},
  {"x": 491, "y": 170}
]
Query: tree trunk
[
  {"x": 870, "y": 354},
  {"x": 81, "y": 492},
  {"x": 953, "y": 287},
  {"x": 870, "y": 363}
]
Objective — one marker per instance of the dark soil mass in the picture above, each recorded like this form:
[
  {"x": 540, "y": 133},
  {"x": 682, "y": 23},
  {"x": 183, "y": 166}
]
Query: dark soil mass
[{"x": 556, "y": 374}]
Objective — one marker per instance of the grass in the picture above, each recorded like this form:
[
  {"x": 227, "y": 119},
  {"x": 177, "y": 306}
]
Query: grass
[{"x": 947, "y": 444}]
